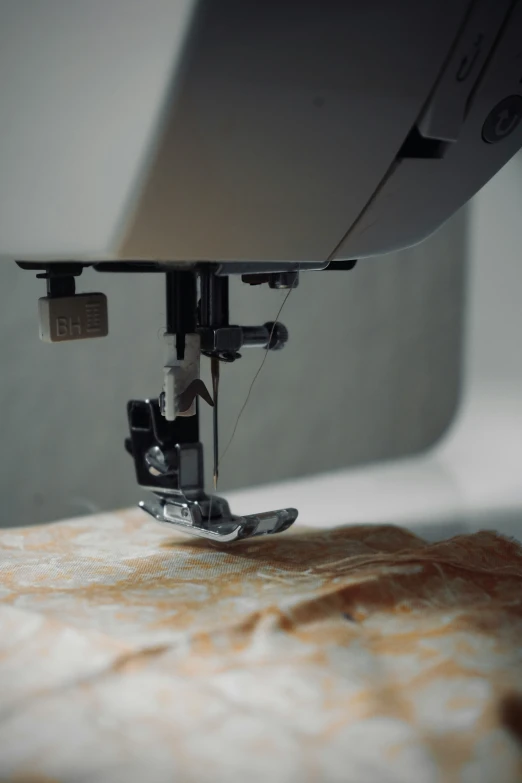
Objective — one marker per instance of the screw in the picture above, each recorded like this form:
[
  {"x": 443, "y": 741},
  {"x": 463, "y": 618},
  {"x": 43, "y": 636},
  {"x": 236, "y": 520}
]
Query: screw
[
  {"x": 155, "y": 461},
  {"x": 283, "y": 280}
]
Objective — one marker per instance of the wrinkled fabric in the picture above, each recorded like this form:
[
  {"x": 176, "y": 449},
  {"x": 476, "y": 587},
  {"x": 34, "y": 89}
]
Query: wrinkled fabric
[{"x": 129, "y": 653}]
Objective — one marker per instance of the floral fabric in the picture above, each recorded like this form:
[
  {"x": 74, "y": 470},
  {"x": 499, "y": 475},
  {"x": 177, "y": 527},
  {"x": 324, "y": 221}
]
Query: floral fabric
[{"x": 131, "y": 653}]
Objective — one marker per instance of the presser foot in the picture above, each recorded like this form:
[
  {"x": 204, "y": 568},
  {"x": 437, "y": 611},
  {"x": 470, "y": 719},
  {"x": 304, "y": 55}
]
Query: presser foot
[{"x": 211, "y": 518}]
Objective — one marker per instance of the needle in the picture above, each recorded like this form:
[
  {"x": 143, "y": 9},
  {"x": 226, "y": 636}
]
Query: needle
[{"x": 214, "y": 370}]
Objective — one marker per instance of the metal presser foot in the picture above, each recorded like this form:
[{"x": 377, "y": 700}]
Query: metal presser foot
[
  {"x": 211, "y": 518},
  {"x": 169, "y": 461}
]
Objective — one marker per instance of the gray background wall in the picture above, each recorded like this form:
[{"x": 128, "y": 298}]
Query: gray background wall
[{"x": 372, "y": 371}]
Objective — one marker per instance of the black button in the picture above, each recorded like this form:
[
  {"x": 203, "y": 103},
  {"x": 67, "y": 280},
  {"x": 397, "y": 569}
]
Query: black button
[{"x": 503, "y": 119}]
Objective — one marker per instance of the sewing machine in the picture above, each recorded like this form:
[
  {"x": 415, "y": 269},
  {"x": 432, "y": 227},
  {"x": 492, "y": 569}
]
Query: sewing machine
[{"x": 264, "y": 139}]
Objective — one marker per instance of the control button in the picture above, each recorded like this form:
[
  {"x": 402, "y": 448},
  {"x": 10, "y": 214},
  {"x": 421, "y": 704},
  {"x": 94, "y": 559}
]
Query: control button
[
  {"x": 503, "y": 119},
  {"x": 445, "y": 113}
]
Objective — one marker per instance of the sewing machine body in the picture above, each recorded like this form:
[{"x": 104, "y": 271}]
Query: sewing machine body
[{"x": 202, "y": 139}]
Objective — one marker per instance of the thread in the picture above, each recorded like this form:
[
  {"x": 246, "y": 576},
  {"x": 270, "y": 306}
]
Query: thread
[{"x": 254, "y": 379}]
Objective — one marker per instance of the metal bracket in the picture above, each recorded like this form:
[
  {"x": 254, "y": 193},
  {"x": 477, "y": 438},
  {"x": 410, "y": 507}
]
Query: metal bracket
[{"x": 164, "y": 435}]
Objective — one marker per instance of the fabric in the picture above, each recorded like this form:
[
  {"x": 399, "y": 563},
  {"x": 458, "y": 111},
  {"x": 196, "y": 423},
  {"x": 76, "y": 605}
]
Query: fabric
[{"x": 129, "y": 653}]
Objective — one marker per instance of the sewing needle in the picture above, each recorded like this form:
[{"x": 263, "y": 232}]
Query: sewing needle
[{"x": 214, "y": 370}]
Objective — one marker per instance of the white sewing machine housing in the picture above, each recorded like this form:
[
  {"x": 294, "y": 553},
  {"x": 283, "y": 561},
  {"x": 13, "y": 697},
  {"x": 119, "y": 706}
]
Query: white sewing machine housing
[{"x": 240, "y": 131}]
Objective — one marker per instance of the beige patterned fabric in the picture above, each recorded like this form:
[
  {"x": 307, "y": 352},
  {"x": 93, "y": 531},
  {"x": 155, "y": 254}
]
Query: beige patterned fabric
[{"x": 129, "y": 653}]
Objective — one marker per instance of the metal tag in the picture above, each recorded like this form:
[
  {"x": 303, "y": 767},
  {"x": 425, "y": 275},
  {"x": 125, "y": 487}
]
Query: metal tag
[{"x": 78, "y": 317}]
